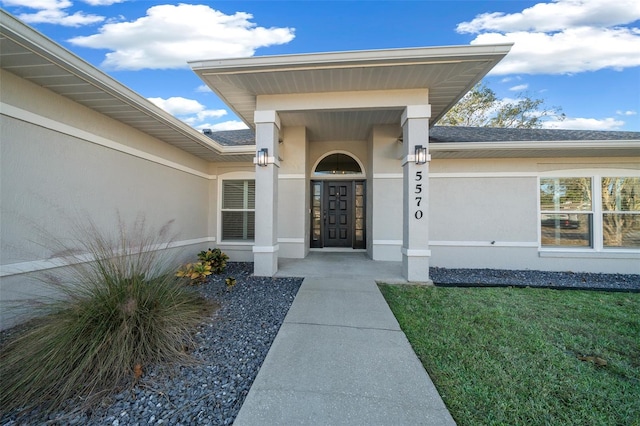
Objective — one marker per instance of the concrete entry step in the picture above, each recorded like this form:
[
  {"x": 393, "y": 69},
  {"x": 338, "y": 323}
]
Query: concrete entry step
[{"x": 340, "y": 358}]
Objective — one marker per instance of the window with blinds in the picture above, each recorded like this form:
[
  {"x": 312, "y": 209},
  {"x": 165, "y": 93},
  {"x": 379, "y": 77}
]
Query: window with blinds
[{"x": 238, "y": 210}]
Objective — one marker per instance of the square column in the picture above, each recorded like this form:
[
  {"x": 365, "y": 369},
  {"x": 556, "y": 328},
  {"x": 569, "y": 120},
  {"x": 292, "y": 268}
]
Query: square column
[
  {"x": 415, "y": 190},
  {"x": 265, "y": 249}
]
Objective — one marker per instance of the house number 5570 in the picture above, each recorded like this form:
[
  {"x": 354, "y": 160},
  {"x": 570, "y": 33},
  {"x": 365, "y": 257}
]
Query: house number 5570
[{"x": 418, "y": 191}]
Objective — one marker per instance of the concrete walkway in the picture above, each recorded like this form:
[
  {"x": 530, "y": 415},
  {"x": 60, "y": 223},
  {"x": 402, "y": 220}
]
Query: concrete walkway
[{"x": 340, "y": 358}]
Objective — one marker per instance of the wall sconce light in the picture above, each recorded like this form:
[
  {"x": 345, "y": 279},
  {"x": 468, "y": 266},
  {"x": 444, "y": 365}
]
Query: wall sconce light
[
  {"x": 262, "y": 156},
  {"x": 421, "y": 154}
]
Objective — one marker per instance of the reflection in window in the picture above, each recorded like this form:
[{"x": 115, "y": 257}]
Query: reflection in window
[
  {"x": 621, "y": 211},
  {"x": 338, "y": 164},
  {"x": 566, "y": 215}
]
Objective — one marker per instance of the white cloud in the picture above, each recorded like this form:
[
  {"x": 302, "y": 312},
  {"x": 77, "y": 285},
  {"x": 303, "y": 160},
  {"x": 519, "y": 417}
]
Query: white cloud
[
  {"x": 178, "y": 105},
  {"x": 226, "y": 125},
  {"x": 627, "y": 113},
  {"x": 103, "y": 2},
  {"x": 557, "y": 16},
  {"x": 39, "y": 4},
  {"x": 519, "y": 88},
  {"x": 203, "y": 88},
  {"x": 170, "y": 35},
  {"x": 52, "y": 12},
  {"x": 562, "y": 37},
  {"x": 584, "y": 124},
  {"x": 60, "y": 17},
  {"x": 190, "y": 111}
]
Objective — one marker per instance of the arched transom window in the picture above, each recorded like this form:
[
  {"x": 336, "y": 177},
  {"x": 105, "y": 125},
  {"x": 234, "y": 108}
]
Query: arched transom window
[{"x": 338, "y": 164}]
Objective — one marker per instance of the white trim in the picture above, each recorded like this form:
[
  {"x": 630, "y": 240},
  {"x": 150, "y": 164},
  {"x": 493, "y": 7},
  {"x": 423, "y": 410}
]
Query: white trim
[
  {"x": 267, "y": 117},
  {"x": 514, "y": 244},
  {"x": 292, "y": 176},
  {"x": 590, "y": 254},
  {"x": 243, "y": 175},
  {"x": 388, "y": 176},
  {"x": 415, "y": 111},
  {"x": 483, "y": 175},
  {"x": 415, "y": 252},
  {"x": 57, "y": 262},
  {"x": 291, "y": 240},
  {"x": 387, "y": 242},
  {"x": 411, "y": 158},
  {"x": 266, "y": 249},
  {"x": 56, "y": 126}
]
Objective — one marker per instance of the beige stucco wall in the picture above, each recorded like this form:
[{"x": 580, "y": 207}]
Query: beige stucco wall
[
  {"x": 52, "y": 181},
  {"x": 484, "y": 214}
]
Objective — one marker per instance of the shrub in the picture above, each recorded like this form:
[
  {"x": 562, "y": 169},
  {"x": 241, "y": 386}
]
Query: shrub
[
  {"x": 216, "y": 258},
  {"x": 196, "y": 272},
  {"x": 122, "y": 312}
]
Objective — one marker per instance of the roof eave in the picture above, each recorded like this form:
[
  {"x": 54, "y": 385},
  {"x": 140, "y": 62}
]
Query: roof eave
[{"x": 529, "y": 149}]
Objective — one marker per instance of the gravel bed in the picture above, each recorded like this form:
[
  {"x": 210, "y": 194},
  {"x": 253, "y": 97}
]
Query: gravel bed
[
  {"x": 233, "y": 343},
  {"x": 231, "y": 347},
  {"x": 527, "y": 278}
]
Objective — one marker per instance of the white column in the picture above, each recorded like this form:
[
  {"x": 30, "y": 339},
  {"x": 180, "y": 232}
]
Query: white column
[
  {"x": 415, "y": 206},
  {"x": 265, "y": 249}
]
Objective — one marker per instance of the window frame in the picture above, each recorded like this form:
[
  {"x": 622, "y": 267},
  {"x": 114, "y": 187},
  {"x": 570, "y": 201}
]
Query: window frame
[
  {"x": 237, "y": 176},
  {"x": 597, "y": 211}
]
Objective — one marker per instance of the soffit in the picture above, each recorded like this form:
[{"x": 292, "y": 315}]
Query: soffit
[
  {"x": 448, "y": 73},
  {"x": 32, "y": 56}
]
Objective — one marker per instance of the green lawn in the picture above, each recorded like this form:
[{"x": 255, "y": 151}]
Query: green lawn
[{"x": 510, "y": 356}]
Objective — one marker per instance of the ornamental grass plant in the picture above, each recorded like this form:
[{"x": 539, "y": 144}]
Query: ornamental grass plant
[{"x": 121, "y": 312}]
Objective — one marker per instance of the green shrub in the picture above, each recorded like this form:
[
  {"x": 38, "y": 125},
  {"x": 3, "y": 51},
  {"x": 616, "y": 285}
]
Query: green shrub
[
  {"x": 215, "y": 258},
  {"x": 121, "y": 312}
]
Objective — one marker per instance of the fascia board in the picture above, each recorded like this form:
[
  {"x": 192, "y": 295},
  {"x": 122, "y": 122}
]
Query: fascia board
[
  {"x": 352, "y": 58},
  {"x": 533, "y": 145}
]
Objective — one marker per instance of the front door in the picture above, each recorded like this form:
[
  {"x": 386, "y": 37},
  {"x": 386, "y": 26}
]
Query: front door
[
  {"x": 338, "y": 229},
  {"x": 337, "y": 214}
]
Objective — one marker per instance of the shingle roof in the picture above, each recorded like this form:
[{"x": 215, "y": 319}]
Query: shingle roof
[
  {"x": 232, "y": 137},
  {"x": 465, "y": 134},
  {"x": 490, "y": 134}
]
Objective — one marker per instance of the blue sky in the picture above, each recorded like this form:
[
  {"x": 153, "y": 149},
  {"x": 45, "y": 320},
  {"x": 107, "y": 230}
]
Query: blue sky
[{"x": 580, "y": 55}]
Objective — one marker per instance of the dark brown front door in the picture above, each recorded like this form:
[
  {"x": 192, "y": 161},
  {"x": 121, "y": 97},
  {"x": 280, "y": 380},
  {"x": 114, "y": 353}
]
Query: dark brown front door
[{"x": 338, "y": 229}]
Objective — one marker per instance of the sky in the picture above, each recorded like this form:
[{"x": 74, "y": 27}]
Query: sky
[{"x": 582, "y": 56}]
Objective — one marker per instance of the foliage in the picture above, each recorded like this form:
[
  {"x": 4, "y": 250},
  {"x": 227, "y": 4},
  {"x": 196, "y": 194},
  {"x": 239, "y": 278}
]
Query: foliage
[
  {"x": 480, "y": 107},
  {"x": 196, "y": 272},
  {"x": 215, "y": 258},
  {"x": 122, "y": 311},
  {"x": 506, "y": 356},
  {"x": 230, "y": 282}
]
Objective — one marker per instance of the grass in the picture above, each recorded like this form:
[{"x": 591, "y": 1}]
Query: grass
[
  {"x": 510, "y": 356},
  {"x": 121, "y": 312}
]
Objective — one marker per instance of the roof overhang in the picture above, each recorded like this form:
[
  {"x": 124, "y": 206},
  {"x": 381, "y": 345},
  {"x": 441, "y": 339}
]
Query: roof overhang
[
  {"x": 34, "y": 57},
  {"x": 446, "y": 72},
  {"x": 536, "y": 149}
]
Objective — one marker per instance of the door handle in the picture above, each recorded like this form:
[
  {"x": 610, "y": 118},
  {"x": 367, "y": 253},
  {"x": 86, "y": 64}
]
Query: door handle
[{"x": 325, "y": 216}]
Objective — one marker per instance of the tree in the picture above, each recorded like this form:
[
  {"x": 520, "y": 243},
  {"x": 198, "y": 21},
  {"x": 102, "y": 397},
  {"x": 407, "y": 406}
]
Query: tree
[{"x": 480, "y": 107}]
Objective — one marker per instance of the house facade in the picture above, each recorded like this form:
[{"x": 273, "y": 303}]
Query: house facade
[{"x": 341, "y": 154}]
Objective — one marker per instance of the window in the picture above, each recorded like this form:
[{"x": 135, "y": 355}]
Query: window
[
  {"x": 341, "y": 164},
  {"x": 238, "y": 210},
  {"x": 566, "y": 214},
  {"x": 621, "y": 211},
  {"x": 598, "y": 212}
]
